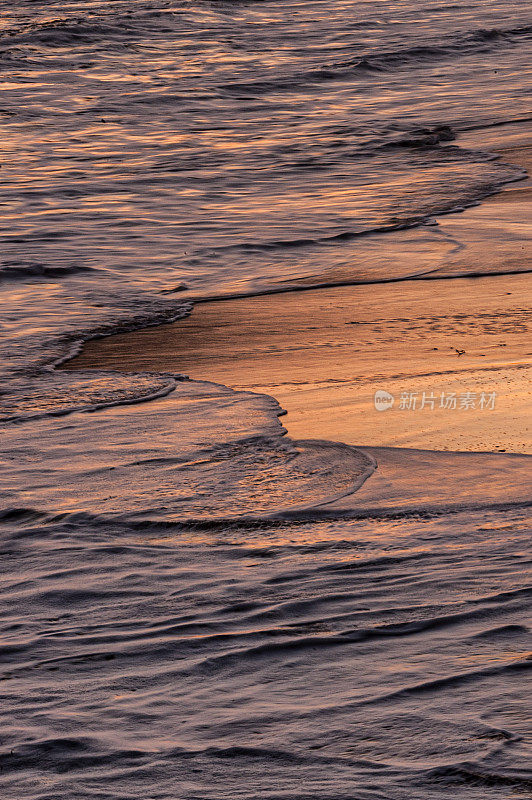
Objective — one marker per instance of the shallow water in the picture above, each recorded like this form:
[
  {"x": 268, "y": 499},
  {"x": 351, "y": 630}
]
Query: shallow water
[{"x": 189, "y": 609}]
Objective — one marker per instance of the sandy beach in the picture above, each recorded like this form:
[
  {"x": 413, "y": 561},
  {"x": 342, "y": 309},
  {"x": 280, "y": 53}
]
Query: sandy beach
[{"x": 454, "y": 353}]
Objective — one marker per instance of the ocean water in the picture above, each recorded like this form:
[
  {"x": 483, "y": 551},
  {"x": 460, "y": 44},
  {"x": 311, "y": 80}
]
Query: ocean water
[{"x": 193, "y": 605}]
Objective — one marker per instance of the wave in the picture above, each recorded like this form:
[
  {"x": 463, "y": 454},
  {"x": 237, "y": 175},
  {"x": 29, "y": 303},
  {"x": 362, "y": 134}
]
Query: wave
[
  {"x": 62, "y": 33},
  {"x": 13, "y": 270},
  {"x": 63, "y": 753},
  {"x": 482, "y": 40},
  {"x": 34, "y": 389},
  {"x": 363, "y": 484},
  {"x": 477, "y": 776},
  {"x": 126, "y": 28},
  {"x": 432, "y": 143},
  {"x": 279, "y": 644}
]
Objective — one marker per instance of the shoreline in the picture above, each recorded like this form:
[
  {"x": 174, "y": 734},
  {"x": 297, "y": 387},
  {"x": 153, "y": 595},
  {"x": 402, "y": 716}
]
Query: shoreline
[{"x": 474, "y": 344}]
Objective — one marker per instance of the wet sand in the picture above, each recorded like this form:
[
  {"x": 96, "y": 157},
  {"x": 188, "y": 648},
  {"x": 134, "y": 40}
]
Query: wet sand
[{"x": 323, "y": 353}]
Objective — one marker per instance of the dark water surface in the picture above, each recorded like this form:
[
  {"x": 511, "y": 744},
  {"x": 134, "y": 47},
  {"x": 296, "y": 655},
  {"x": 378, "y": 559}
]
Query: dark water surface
[{"x": 169, "y": 628}]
